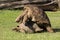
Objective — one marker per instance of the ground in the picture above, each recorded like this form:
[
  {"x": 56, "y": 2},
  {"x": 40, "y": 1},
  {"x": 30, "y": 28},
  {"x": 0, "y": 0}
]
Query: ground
[{"x": 7, "y": 22}]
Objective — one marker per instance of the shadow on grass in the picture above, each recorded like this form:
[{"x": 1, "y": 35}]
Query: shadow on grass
[{"x": 57, "y": 29}]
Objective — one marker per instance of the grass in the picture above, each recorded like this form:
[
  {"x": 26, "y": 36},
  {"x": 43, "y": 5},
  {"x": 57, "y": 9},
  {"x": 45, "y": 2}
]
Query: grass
[{"x": 7, "y": 22}]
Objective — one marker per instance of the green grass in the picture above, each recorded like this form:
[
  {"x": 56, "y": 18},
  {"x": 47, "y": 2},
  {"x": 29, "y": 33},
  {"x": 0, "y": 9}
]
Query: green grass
[{"x": 7, "y": 22}]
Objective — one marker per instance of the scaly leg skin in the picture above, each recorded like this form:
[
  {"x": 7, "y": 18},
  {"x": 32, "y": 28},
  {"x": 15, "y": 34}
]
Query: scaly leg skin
[
  {"x": 36, "y": 28},
  {"x": 20, "y": 17},
  {"x": 49, "y": 29},
  {"x": 25, "y": 19}
]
